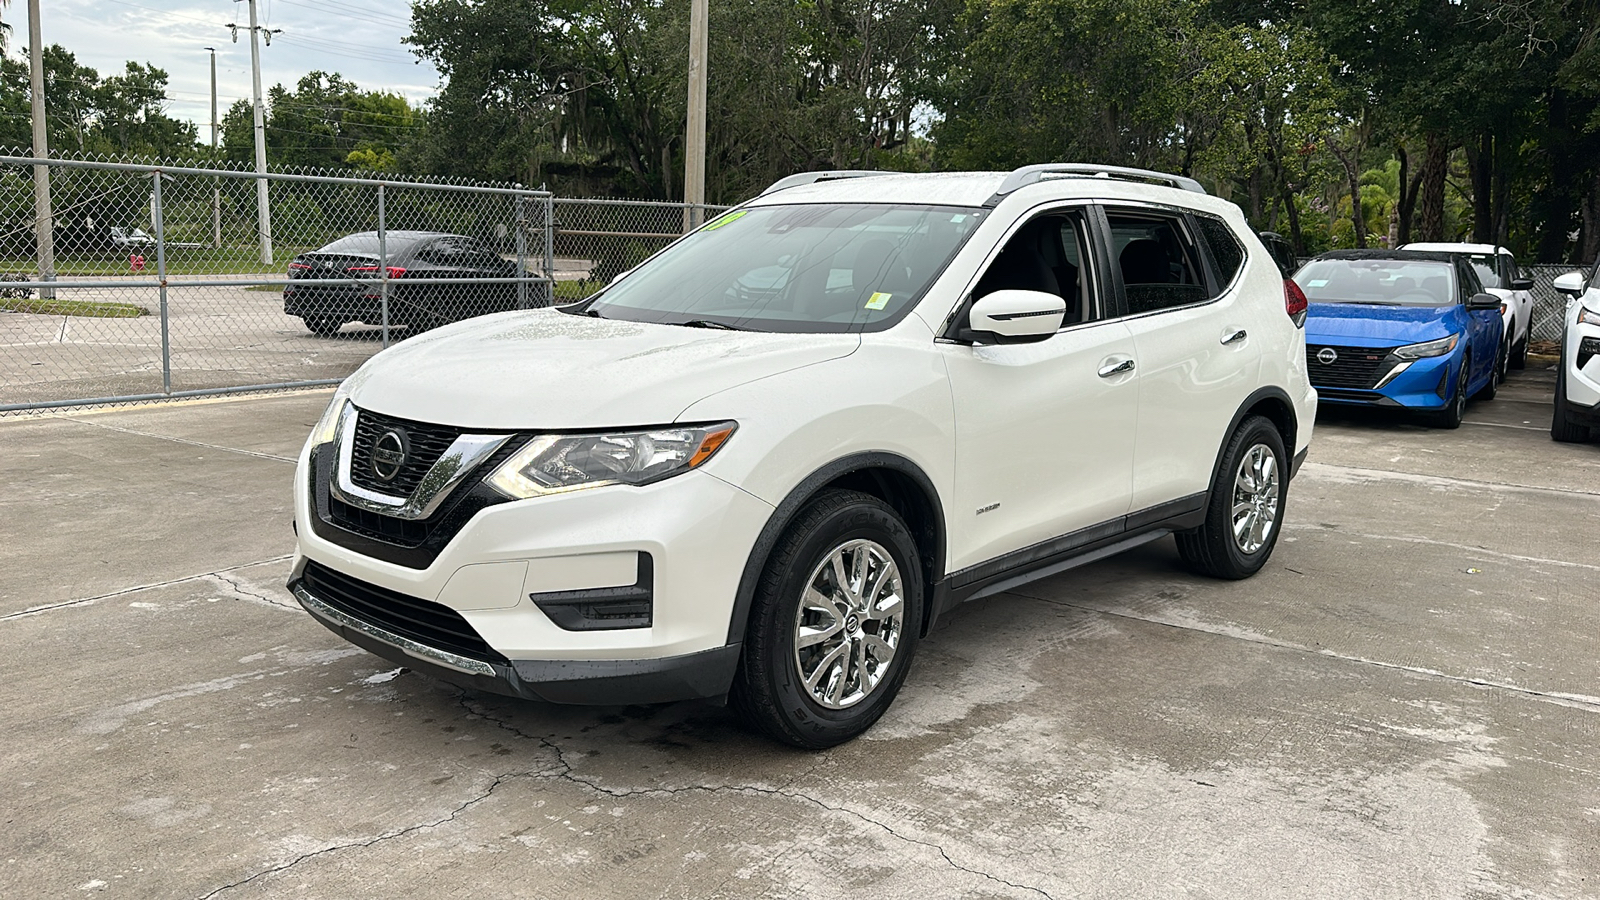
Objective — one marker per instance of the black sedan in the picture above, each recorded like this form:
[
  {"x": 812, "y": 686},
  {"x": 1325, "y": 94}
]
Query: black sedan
[{"x": 431, "y": 281}]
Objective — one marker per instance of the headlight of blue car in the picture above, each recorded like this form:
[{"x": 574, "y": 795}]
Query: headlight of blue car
[{"x": 1440, "y": 347}]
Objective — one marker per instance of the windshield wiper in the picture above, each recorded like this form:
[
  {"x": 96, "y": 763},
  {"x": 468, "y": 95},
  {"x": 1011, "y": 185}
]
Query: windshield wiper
[{"x": 708, "y": 323}]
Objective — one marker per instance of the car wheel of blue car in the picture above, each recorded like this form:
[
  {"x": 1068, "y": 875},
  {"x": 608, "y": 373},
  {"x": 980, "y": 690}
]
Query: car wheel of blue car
[
  {"x": 1492, "y": 387},
  {"x": 1450, "y": 416}
]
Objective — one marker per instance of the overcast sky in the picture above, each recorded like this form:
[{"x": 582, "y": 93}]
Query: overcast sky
[{"x": 359, "y": 39}]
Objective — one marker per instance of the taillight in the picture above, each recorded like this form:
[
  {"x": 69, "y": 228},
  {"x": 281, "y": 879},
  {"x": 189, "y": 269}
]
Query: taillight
[
  {"x": 1294, "y": 302},
  {"x": 394, "y": 271}
]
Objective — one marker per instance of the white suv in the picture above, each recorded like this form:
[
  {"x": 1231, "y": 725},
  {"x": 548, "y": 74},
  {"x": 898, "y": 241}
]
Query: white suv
[
  {"x": 1577, "y": 401},
  {"x": 763, "y": 463}
]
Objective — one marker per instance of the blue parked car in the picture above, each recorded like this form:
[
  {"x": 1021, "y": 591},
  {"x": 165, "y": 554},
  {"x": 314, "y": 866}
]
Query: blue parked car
[{"x": 1400, "y": 328}]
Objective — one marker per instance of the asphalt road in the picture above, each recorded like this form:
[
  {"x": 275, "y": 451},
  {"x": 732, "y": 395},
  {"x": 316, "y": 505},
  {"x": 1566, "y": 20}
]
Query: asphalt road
[{"x": 1403, "y": 704}]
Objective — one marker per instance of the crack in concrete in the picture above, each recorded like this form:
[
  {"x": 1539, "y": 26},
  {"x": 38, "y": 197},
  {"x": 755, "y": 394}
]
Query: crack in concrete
[
  {"x": 121, "y": 592},
  {"x": 357, "y": 845},
  {"x": 566, "y": 773},
  {"x": 238, "y": 588},
  {"x": 178, "y": 440},
  {"x": 1469, "y": 548},
  {"x": 1579, "y": 702}
]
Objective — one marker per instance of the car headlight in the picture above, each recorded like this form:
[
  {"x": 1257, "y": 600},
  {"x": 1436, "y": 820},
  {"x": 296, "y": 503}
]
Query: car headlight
[
  {"x": 554, "y": 463},
  {"x": 328, "y": 426},
  {"x": 1587, "y": 316},
  {"x": 1440, "y": 347}
]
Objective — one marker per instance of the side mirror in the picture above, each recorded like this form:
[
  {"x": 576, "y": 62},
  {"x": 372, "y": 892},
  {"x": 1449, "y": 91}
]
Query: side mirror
[
  {"x": 1281, "y": 251},
  {"x": 1522, "y": 284},
  {"x": 1013, "y": 317},
  {"x": 1570, "y": 284},
  {"x": 1484, "y": 301}
]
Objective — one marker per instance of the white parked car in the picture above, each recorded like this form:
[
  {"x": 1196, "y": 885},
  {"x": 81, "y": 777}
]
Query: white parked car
[
  {"x": 1577, "y": 402},
  {"x": 763, "y": 463},
  {"x": 1498, "y": 271}
]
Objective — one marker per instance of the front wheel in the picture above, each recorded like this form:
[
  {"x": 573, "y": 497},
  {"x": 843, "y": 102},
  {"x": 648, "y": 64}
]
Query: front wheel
[
  {"x": 1246, "y": 506},
  {"x": 1562, "y": 428},
  {"x": 1456, "y": 408},
  {"x": 1519, "y": 353},
  {"x": 835, "y": 623}
]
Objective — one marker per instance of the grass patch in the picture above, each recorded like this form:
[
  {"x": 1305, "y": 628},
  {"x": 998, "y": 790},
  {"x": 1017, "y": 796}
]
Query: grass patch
[
  {"x": 86, "y": 308},
  {"x": 576, "y": 290}
]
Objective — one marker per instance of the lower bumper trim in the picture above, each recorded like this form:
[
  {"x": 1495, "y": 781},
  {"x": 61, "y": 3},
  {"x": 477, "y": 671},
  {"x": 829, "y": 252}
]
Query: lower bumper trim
[{"x": 706, "y": 675}]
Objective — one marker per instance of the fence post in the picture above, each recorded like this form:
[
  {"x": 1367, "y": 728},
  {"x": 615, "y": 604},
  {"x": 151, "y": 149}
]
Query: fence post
[
  {"x": 550, "y": 249},
  {"x": 522, "y": 252},
  {"x": 383, "y": 265},
  {"x": 161, "y": 280}
]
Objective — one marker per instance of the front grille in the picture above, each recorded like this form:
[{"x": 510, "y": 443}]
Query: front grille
[
  {"x": 379, "y": 527},
  {"x": 420, "y": 620},
  {"x": 1327, "y": 393},
  {"x": 1355, "y": 367},
  {"x": 427, "y": 444}
]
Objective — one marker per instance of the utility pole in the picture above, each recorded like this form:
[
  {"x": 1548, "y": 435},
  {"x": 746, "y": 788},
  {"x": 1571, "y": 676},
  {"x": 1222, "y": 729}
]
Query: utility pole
[
  {"x": 694, "y": 141},
  {"x": 216, "y": 190},
  {"x": 263, "y": 212},
  {"x": 44, "y": 221}
]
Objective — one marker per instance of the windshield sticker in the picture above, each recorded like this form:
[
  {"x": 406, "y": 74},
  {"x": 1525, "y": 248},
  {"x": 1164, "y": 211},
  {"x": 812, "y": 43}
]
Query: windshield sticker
[
  {"x": 958, "y": 217},
  {"x": 730, "y": 217},
  {"x": 878, "y": 301},
  {"x": 1318, "y": 282}
]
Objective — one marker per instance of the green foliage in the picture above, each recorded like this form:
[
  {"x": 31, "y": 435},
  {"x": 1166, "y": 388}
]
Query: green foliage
[
  {"x": 123, "y": 115},
  {"x": 326, "y": 122}
]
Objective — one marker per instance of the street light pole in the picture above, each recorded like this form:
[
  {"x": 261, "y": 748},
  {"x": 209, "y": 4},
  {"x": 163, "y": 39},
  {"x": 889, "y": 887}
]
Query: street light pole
[
  {"x": 263, "y": 212},
  {"x": 694, "y": 141},
  {"x": 44, "y": 221},
  {"x": 216, "y": 190}
]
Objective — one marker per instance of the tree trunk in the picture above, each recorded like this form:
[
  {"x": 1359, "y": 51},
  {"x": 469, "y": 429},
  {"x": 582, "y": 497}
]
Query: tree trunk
[
  {"x": 1434, "y": 169},
  {"x": 1480, "y": 165},
  {"x": 1408, "y": 196},
  {"x": 1589, "y": 239}
]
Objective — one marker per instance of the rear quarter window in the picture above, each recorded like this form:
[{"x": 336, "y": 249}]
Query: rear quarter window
[{"x": 1226, "y": 251}]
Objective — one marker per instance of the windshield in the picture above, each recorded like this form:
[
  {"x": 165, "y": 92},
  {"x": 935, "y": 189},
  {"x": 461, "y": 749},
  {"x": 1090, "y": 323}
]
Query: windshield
[
  {"x": 796, "y": 268},
  {"x": 1381, "y": 282}
]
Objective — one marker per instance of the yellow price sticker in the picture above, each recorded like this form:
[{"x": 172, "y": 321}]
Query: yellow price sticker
[
  {"x": 730, "y": 217},
  {"x": 878, "y": 300}
]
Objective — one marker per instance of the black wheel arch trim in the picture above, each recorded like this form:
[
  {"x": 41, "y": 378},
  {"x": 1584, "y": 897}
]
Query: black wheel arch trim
[
  {"x": 1250, "y": 402},
  {"x": 932, "y": 555}
]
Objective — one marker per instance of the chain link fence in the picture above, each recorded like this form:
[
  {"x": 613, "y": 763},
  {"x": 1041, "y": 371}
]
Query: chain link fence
[
  {"x": 1549, "y": 307},
  {"x": 158, "y": 281}
]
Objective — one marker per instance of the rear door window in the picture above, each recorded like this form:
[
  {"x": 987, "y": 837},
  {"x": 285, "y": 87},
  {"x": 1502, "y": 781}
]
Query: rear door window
[{"x": 1159, "y": 263}]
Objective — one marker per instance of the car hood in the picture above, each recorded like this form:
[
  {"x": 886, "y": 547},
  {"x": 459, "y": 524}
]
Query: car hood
[
  {"x": 544, "y": 369},
  {"x": 1379, "y": 326}
]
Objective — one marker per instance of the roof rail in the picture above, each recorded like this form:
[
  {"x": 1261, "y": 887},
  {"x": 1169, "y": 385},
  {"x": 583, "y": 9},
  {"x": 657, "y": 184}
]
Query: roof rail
[
  {"x": 1029, "y": 174},
  {"x": 813, "y": 177}
]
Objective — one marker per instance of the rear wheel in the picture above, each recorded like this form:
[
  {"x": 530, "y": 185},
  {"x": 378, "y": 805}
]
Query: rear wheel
[
  {"x": 835, "y": 623},
  {"x": 1246, "y": 505},
  {"x": 324, "y": 326},
  {"x": 1488, "y": 391},
  {"x": 1562, "y": 428},
  {"x": 1456, "y": 407}
]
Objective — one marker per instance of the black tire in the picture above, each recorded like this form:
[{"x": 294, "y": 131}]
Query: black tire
[
  {"x": 1519, "y": 353},
  {"x": 1212, "y": 548},
  {"x": 1454, "y": 410},
  {"x": 322, "y": 326},
  {"x": 1562, "y": 428},
  {"x": 769, "y": 691}
]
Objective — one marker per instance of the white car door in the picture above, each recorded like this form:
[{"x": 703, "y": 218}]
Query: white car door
[
  {"x": 1044, "y": 431},
  {"x": 1196, "y": 356},
  {"x": 1522, "y": 300}
]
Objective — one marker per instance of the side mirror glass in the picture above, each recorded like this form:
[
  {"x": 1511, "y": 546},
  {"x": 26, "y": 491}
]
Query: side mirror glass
[
  {"x": 1281, "y": 251},
  {"x": 1014, "y": 317},
  {"x": 1483, "y": 301},
  {"x": 1570, "y": 284},
  {"x": 1522, "y": 284}
]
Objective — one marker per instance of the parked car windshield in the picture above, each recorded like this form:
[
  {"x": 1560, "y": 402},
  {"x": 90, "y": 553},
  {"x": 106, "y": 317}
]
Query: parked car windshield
[
  {"x": 1381, "y": 282},
  {"x": 794, "y": 268}
]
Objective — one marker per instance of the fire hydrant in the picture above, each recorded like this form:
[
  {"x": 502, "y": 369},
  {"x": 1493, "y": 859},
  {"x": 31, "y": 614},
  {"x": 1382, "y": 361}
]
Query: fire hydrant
[{"x": 136, "y": 262}]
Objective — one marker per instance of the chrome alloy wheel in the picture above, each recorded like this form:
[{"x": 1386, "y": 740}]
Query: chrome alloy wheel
[
  {"x": 1255, "y": 499},
  {"x": 849, "y": 624}
]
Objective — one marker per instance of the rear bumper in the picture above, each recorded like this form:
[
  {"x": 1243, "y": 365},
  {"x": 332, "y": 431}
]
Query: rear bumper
[{"x": 705, "y": 675}]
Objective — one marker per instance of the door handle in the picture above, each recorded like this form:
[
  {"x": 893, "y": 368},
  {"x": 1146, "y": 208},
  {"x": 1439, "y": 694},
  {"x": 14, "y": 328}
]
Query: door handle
[
  {"x": 1234, "y": 336},
  {"x": 1114, "y": 366}
]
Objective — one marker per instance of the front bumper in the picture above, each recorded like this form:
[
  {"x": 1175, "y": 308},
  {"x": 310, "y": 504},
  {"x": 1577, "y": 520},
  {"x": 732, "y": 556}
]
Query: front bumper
[
  {"x": 595, "y": 682},
  {"x": 513, "y": 570},
  {"x": 1422, "y": 384}
]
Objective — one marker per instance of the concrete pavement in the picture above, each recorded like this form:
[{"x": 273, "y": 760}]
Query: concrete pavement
[{"x": 1403, "y": 704}]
